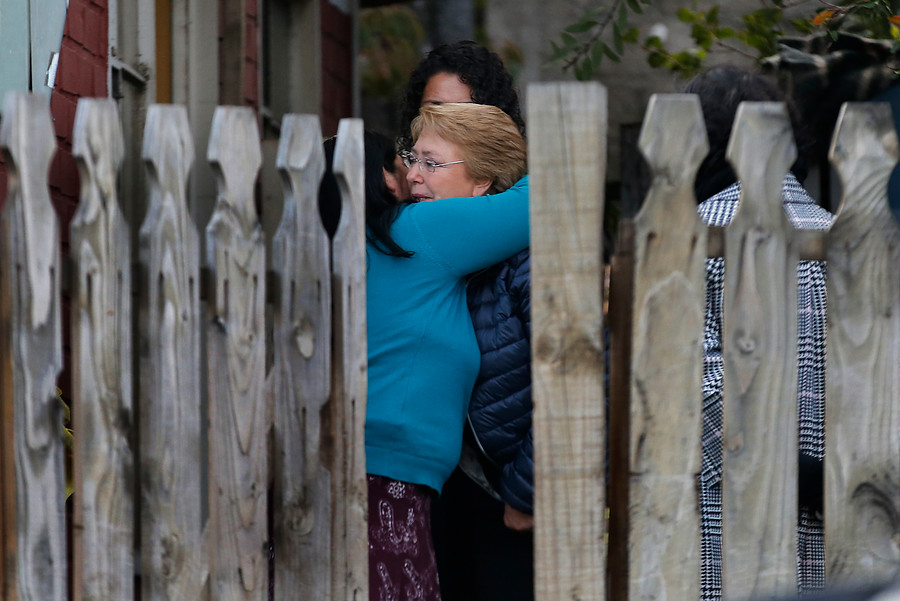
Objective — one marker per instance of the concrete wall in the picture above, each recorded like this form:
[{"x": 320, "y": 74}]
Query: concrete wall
[{"x": 533, "y": 24}]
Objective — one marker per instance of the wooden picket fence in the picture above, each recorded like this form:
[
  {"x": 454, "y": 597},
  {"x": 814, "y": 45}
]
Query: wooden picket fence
[{"x": 140, "y": 503}]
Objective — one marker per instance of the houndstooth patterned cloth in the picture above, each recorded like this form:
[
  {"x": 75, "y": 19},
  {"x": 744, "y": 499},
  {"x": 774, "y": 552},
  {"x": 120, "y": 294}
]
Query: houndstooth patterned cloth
[{"x": 803, "y": 213}]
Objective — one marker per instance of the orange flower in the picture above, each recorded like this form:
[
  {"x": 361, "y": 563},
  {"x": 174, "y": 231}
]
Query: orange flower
[
  {"x": 894, "y": 19},
  {"x": 823, "y": 17}
]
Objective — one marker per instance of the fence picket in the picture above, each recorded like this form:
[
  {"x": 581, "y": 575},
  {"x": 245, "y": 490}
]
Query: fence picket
[
  {"x": 170, "y": 434},
  {"x": 101, "y": 359},
  {"x": 350, "y": 372},
  {"x": 30, "y": 353},
  {"x": 862, "y": 460},
  {"x": 759, "y": 346},
  {"x": 667, "y": 357},
  {"x": 567, "y": 160},
  {"x": 302, "y": 368},
  {"x": 236, "y": 364}
]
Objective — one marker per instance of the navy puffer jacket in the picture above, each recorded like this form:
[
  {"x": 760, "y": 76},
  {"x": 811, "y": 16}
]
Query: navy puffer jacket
[{"x": 500, "y": 410}]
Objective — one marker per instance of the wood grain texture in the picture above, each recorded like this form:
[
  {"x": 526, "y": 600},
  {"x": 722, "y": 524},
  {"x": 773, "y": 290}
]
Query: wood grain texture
[
  {"x": 759, "y": 345},
  {"x": 101, "y": 362},
  {"x": 302, "y": 369},
  {"x": 236, "y": 364},
  {"x": 31, "y": 357},
  {"x": 567, "y": 159},
  {"x": 172, "y": 566},
  {"x": 350, "y": 559},
  {"x": 862, "y": 454},
  {"x": 667, "y": 357}
]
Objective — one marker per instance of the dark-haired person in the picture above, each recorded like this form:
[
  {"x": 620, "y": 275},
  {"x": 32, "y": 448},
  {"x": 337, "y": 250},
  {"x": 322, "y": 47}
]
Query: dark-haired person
[
  {"x": 385, "y": 186},
  {"x": 461, "y": 71},
  {"x": 721, "y": 90},
  {"x": 484, "y": 530},
  {"x": 466, "y": 169}
]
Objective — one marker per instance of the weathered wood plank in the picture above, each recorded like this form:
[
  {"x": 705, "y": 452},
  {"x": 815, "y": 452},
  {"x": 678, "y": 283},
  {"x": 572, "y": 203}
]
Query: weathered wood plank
[
  {"x": 350, "y": 372},
  {"x": 567, "y": 161},
  {"x": 30, "y": 352},
  {"x": 667, "y": 357},
  {"x": 101, "y": 363},
  {"x": 169, "y": 322},
  {"x": 759, "y": 345},
  {"x": 302, "y": 341},
  {"x": 862, "y": 453},
  {"x": 236, "y": 364}
]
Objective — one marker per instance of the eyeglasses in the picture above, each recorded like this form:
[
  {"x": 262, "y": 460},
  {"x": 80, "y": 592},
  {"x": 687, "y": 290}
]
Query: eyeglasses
[{"x": 409, "y": 159}]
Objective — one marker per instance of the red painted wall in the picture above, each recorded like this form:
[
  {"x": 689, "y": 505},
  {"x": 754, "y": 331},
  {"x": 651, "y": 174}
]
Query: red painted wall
[
  {"x": 83, "y": 68},
  {"x": 337, "y": 67},
  {"x": 251, "y": 61},
  {"x": 82, "y": 71}
]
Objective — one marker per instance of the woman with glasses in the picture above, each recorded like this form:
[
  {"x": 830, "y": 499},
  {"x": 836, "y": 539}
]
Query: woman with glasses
[
  {"x": 466, "y": 169},
  {"x": 483, "y": 522}
]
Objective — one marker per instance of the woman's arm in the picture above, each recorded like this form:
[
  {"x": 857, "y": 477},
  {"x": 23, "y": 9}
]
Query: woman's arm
[{"x": 468, "y": 234}]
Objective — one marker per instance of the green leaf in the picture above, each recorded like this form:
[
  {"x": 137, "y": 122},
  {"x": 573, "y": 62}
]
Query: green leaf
[
  {"x": 581, "y": 26},
  {"x": 622, "y": 22},
  {"x": 802, "y": 25},
  {"x": 724, "y": 33},
  {"x": 635, "y": 7},
  {"x": 712, "y": 17},
  {"x": 610, "y": 54},
  {"x": 557, "y": 52},
  {"x": 701, "y": 35},
  {"x": 654, "y": 41},
  {"x": 656, "y": 60},
  {"x": 686, "y": 15},
  {"x": 631, "y": 36},
  {"x": 569, "y": 41},
  {"x": 618, "y": 43}
]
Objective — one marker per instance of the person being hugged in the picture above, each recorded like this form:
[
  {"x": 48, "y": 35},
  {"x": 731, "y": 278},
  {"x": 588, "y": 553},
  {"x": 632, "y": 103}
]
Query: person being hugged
[{"x": 467, "y": 177}]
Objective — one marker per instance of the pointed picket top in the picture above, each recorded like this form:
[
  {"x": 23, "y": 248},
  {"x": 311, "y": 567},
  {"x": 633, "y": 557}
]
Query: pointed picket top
[
  {"x": 673, "y": 140},
  {"x": 761, "y": 150},
  {"x": 236, "y": 357},
  {"x": 301, "y": 163},
  {"x": 668, "y": 300},
  {"x": 32, "y": 474},
  {"x": 351, "y": 377},
  {"x": 235, "y": 154},
  {"x": 300, "y": 148},
  {"x": 759, "y": 345},
  {"x": 172, "y": 563},
  {"x": 864, "y": 153},
  {"x": 101, "y": 352},
  {"x": 862, "y": 471},
  {"x": 302, "y": 351},
  {"x": 348, "y": 154},
  {"x": 99, "y": 145},
  {"x": 26, "y": 131},
  {"x": 168, "y": 149}
]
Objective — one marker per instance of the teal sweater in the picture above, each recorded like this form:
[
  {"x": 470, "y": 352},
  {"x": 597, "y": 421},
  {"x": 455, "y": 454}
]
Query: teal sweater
[{"x": 423, "y": 357}]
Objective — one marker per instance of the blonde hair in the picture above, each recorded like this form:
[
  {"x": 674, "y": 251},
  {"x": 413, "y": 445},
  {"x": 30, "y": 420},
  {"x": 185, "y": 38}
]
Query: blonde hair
[{"x": 487, "y": 138}]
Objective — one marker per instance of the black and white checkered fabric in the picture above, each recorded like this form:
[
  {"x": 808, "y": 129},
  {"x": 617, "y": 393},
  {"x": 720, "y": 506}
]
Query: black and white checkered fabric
[{"x": 803, "y": 213}]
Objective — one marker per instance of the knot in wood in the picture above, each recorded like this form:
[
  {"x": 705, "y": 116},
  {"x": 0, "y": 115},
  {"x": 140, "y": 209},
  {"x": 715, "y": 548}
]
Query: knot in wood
[
  {"x": 569, "y": 348},
  {"x": 171, "y": 556},
  {"x": 746, "y": 344},
  {"x": 305, "y": 337}
]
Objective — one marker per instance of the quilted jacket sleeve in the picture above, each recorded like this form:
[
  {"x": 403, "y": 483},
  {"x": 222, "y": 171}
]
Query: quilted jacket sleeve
[{"x": 501, "y": 407}]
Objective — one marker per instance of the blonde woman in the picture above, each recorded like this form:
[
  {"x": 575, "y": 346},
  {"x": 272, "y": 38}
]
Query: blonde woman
[{"x": 466, "y": 174}]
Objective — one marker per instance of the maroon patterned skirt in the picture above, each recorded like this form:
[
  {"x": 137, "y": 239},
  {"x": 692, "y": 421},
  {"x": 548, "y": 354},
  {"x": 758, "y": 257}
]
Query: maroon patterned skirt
[{"x": 401, "y": 553}]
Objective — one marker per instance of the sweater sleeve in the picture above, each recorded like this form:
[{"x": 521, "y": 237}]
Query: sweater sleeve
[{"x": 468, "y": 234}]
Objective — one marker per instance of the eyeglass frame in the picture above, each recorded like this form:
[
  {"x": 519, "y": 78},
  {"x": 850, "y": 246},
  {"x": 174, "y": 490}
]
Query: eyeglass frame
[{"x": 430, "y": 166}]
